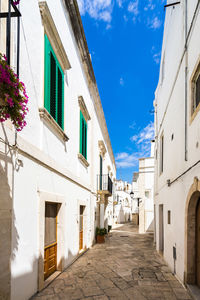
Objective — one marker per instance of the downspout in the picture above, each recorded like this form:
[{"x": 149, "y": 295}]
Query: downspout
[{"x": 186, "y": 80}]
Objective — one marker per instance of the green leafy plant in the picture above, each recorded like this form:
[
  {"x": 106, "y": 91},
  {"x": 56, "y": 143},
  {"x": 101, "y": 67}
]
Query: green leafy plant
[
  {"x": 109, "y": 228},
  {"x": 101, "y": 231},
  {"x": 13, "y": 97}
]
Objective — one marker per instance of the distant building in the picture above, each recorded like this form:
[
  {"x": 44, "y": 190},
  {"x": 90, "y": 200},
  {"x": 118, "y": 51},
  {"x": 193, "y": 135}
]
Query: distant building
[
  {"x": 143, "y": 197},
  {"x": 123, "y": 202}
]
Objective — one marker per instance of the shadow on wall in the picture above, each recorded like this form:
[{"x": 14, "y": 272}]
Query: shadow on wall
[
  {"x": 123, "y": 216},
  {"x": 8, "y": 246},
  {"x": 150, "y": 228},
  {"x": 28, "y": 279}
]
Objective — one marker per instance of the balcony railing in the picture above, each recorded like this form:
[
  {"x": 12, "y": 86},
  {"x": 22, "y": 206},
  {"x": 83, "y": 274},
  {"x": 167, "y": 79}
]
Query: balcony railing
[{"x": 104, "y": 184}]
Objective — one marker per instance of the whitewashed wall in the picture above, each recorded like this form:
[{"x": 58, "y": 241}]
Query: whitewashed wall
[
  {"x": 49, "y": 166},
  {"x": 170, "y": 120}
]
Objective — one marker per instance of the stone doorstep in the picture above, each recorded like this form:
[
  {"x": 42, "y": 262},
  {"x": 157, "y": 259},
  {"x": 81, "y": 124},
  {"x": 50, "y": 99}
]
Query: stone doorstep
[{"x": 194, "y": 291}]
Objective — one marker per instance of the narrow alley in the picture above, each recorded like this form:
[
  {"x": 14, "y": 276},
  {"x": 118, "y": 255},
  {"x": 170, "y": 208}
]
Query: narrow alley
[{"x": 127, "y": 266}]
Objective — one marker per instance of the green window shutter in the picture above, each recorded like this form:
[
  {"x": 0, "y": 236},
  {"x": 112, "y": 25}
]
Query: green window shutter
[
  {"x": 54, "y": 85},
  {"x": 81, "y": 133},
  {"x": 85, "y": 140},
  {"x": 83, "y": 136},
  {"x": 60, "y": 105}
]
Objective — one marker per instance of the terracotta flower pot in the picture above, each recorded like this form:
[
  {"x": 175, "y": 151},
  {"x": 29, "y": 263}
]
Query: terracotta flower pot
[{"x": 100, "y": 239}]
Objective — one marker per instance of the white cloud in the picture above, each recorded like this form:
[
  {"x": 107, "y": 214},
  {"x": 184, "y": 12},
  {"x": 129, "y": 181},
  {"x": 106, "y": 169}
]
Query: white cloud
[
  {"x": 132, "y": 126},
  {"x": 154, "y": 23},
  {"x": 126, "y": 160},
  {"x": 150, "y": 5},
  {"x": 156, "y": 58},
  {"x": 121, "y": 81},
  {"x": 125, "y": 18},
  {"x": 133, "y": 7},
  {"x": 145, "y": 135},
  {"x": 120, "y": 3},
  {"x": 97, "y": 9},
  {"x": 142, "y": 141}
]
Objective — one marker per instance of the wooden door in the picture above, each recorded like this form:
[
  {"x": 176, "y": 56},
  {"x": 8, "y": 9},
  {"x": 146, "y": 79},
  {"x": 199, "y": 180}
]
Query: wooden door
[
  {"x": 198, "y": 244},
  {"x": 81, "y": 228},
  {"x": 50, "y": 249}
]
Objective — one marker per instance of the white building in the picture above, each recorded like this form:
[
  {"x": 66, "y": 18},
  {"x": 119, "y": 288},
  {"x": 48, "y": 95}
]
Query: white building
[
  {"x": 123, "y": 202},
  {"x": 177, "y": 164},
  {"x": 146, "y": 194},
  {"x": 143, "y": 194},
  {"x": 51, "y": 199}
]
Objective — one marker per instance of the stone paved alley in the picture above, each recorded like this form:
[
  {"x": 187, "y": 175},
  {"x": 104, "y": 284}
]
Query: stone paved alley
[{"x": 127, "y": 266}]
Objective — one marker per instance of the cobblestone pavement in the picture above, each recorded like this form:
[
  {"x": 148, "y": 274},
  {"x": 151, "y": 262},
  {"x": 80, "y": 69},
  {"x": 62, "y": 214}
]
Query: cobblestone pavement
[{"x": 127, "y": 266}]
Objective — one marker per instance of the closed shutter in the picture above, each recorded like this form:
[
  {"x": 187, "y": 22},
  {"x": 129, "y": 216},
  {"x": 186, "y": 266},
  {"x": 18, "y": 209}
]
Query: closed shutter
[
  {"x": 60, "y": 99},
  {"x": 54, "y": 85},
  {"x": 85, "y": 140},
  {"x": 198, "y": 91},
  {"x": 83, "y": 136},
  {"x": 53, "y": 93}
]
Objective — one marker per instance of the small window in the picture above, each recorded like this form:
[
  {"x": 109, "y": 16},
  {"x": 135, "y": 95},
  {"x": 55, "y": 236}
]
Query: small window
[
  {"x": 54, "y": 85},
  {"x": 83, "y": 136},
  {"x": 161, "y": 154},
  {"x": 196, "y": 90},
  {"x": 147, "y": 194},
  {"x": 169, "y": 216}
]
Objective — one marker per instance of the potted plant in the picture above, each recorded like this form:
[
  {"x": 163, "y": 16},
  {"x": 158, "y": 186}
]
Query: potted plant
[
  {"x": 100, "y": 235},
  {"x": 13, "y": 97},
  {"x": 109, "y": 228}
]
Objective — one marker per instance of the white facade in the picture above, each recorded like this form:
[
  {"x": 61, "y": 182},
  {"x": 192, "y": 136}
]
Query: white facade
[
  {"x": 123, "y": 202},
  {"x": 44, "y": 166},
  {"x": 143, "y": 189},
  {"x": 177, "y": 119},
  {"x": 146, "y": 194}
]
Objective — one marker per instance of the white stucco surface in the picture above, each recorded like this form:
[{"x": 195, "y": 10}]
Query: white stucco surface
[{"x": 49, "y": 169}]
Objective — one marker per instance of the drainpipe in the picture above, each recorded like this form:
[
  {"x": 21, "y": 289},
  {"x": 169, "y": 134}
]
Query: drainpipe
[{"x": 186, "y": 80}]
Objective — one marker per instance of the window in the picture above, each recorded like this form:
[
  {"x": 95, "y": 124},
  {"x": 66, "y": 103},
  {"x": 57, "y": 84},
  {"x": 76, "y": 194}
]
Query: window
[
  {"x": 83, "y": 136},
  {"x": 161, "y": 153},
  {"x": 147, "y": 194},
  {"x": 54, "y": 85},
  {"x": 196, "y": 89},
  {"x": 169, "y": 216}
]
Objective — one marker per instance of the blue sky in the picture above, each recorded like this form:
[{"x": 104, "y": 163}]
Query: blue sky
[{"x": 125, "y": 38}]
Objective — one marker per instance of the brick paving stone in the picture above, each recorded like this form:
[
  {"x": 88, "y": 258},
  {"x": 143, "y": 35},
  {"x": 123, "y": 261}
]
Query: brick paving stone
[
  {"x": 105, "y": 283},
  {"x": 92, "y": 291},
  {"x": 122, "y": 268},
  {"x": 101, "y": 297},
  {"x": 114, "y": 292},
  {"x": 181, "y": 293}
]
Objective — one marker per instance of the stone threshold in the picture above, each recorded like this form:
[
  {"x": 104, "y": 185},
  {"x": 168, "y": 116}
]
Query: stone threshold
[
  {"x": 51, "y": 278},
  {"x": 194, "y": 291}
]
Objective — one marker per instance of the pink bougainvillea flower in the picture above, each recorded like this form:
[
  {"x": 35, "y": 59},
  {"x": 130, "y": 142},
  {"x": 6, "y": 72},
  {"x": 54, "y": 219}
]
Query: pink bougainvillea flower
[{"x": 13, "y": 92}]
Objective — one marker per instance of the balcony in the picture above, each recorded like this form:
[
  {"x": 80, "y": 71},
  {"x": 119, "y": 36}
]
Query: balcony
[{"x": 104, "y": 185}]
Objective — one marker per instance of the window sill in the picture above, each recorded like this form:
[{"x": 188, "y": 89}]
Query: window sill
[
  {"x": 45, "y": 115},
  {"x": 83, "y": 160},
  {"x": 197, "y": 109}
]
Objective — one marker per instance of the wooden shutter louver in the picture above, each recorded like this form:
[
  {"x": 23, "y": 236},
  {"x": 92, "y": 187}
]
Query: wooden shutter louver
[
  {"x": 54, "y": 85},
  {"x": 60, "y": 99},
  {"x": 83, "y": 136}
]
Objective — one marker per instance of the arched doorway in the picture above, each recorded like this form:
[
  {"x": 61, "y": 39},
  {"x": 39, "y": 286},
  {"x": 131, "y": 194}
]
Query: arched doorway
[{"x": 192, "y": 245}]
